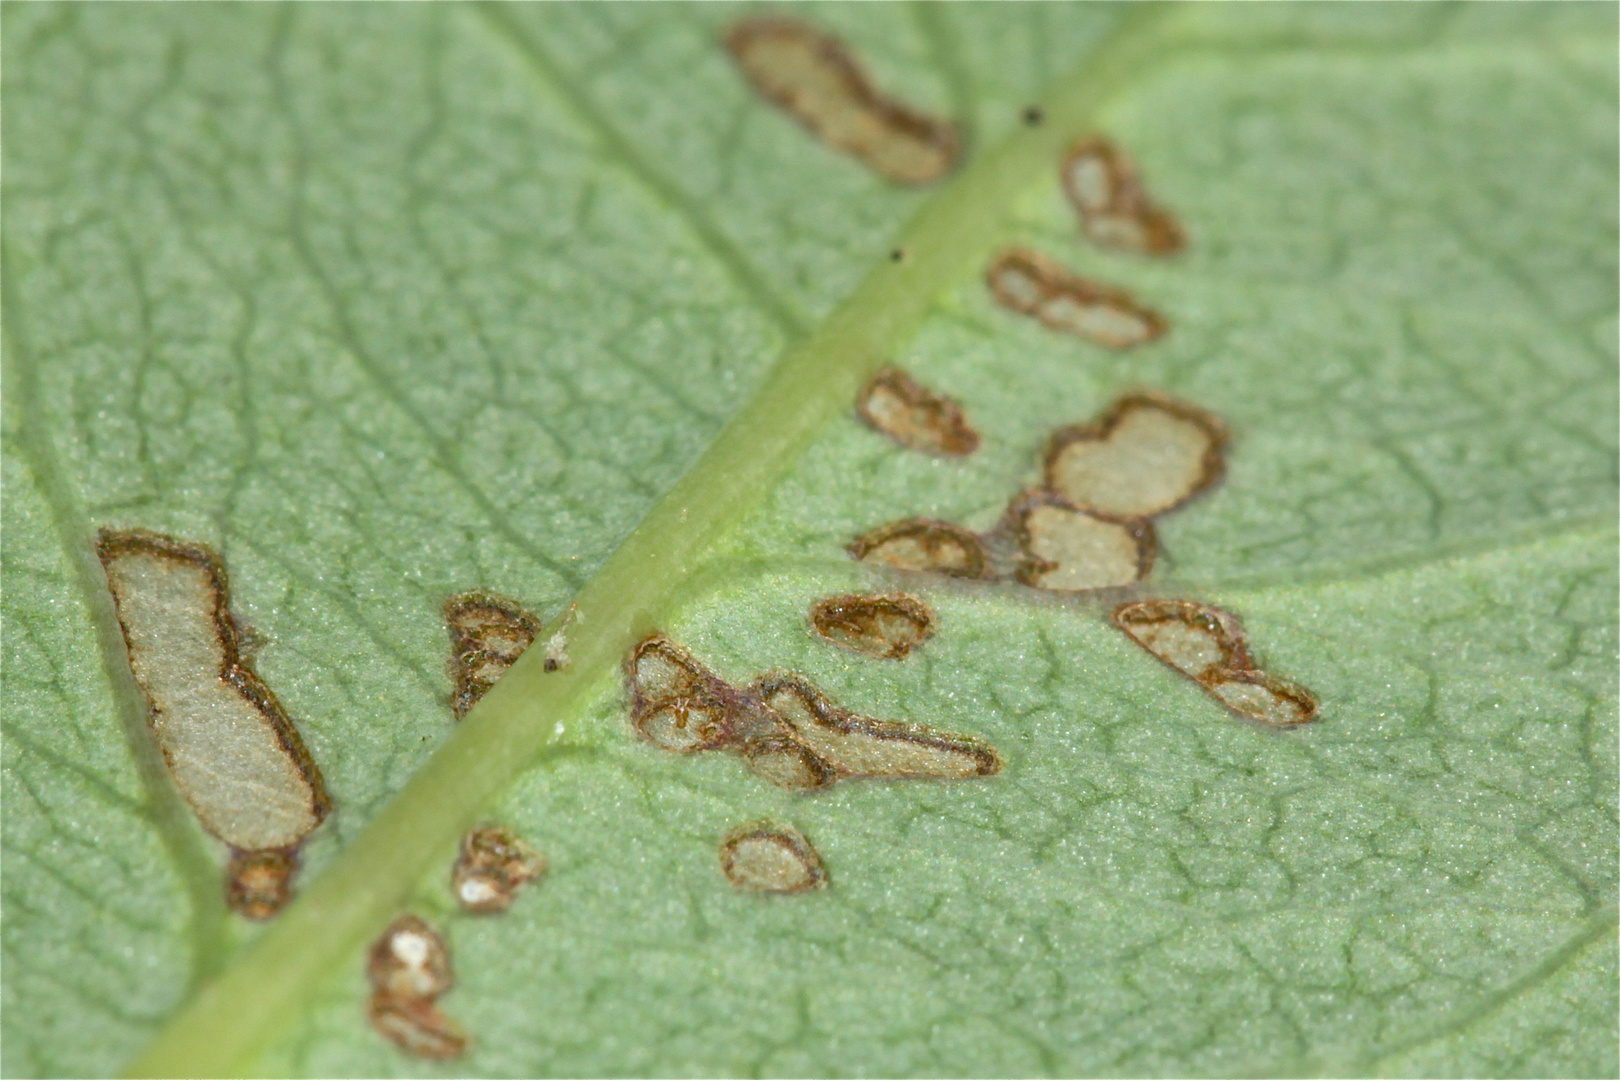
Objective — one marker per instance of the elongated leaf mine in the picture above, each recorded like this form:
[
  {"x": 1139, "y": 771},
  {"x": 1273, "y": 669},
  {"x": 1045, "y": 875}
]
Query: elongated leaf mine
[
  {"x": 409, "y": 967},
  {"x": 925, "y": 546},
  {"x": 1209, "y": 646},
  {"x": 1032, "y": 284},
  {"x": 814, "y": 77},
  {"x": 1070, "y": 549},
  {"x": 914, "y": 416},
  {"x": 493, "y": 865},
  {"x": 1115, "y": 210},
  {"x": 770, "y": 857},
  {"x": 487, "y": 635},
  {"x": 228, "y": 745},
  {"x": 1146, "y": 455},
  {"x": 785, "y": 729},
  {"x": 886, "y": 626}
]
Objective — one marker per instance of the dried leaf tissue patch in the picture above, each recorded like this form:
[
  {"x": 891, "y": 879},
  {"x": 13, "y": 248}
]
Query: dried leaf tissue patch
[
  {"x": 813, "y": 76},
  {"x": 493, "y": 864},
  {"x": 770, "y": 857},
  {"x": 1146, "y": 455},
  {"x": 914, "y": 416},
  {"x": 785, "y": 729},
  {"x": 228, "y": 745},
  {"x": 887, "y": 626},
  {"x": 1115, "y": 210},
  {"x": 925, "y": 546},
  {"x": 1071, "y": 549},
  {"x": 1208, "y": 646},
  {"x": 1031, "y": 284},
  {"x": 487, "y": 634},
  {"x": 409, "y": 968}
]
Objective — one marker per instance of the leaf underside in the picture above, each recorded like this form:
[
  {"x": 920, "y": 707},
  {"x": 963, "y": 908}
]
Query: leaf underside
[{"x": 388, "y": 304}]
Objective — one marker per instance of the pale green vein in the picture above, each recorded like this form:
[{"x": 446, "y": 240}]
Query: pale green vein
[{"x": 221, "y": 1029}]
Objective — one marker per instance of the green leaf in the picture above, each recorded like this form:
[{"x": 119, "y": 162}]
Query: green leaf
[{"x": 386, "y": 304}]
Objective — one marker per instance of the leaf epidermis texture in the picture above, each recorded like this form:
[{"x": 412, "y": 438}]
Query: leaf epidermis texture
[{"x": 386, "y": 309}]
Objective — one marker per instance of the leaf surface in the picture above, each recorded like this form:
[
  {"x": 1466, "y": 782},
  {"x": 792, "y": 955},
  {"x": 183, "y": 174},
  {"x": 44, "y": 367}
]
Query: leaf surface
[{"x": 387, "y": 304}]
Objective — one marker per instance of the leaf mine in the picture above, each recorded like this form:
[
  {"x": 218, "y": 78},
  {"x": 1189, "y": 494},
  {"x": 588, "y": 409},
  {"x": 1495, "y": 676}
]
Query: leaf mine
[
  {"x": 1146, "y": 455},
  {"x": 487, "y": 634},
  {"x": 814, "y": 77},
  {"x": 926, "y": 546},
  {"x": 228, "y": 745},
  {"x": 493, "y": 864},
  {"x": 770, "y": 857},
  {"x": 1070, "y": 549},
  {"x": 1031, "y": 284},
  {"x": 914, "y": 416},
  {"x": 786, "y": 730},
  {"x": 409, "y": 967},
  {"x": 1115, "y": 210},
  {"x": 1209, "y": 646},
  {"x": 887, "y": 626}
]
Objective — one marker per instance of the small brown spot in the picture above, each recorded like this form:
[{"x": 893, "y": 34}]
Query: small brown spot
[
  {"x": 886, "y": 626},
  {"x": 815, "y": 78},
  {"x": 1031, "y": 284},
  {"x": 487, "y": 635},
  {"x": 1208, "y": 645},
  {"x": 225, "y": 739},
  {"x": 770, "y": 857},
  {"x": 924, "y": 545},
  {"x": 1069, "y": 549},
  {"x": 494, "y": 863},
  {"x": 259, "y": 883},
  {"x": 409, "y": 967},
  {"x": 914, "y": 416},
  {"x": 1115, "y": 210},
  {"x": 785, "y": 729},
  {"x": 1146, "y": 455}
]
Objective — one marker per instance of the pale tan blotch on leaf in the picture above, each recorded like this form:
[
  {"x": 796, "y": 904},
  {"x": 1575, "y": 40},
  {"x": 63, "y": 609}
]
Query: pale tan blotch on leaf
[
  {"x": 855, "y": 745},
  {"x": 1208, "y": 645},
  {"x": 1115, "y": 210},
  {"x": 1146, "y": 455},
  {"x": 557, "y": 643},
  {"x": 409, "y": 967},
  {"x": 914, "y": 416},
  {"x": 487, "y": 635},
  {"x": 1032, "y": 284},
  {"x": 227, "y": 743},
  {"x": 493, "y": 865},
  {"x": 925, "y": 546},
  {"x": 887, "y": 626},
  {"x": 784, "y": 728},
  {"x": 1069, "y": 549},
  {"x": 813, "y": 76},
  {"x": 770, "y": 857}
]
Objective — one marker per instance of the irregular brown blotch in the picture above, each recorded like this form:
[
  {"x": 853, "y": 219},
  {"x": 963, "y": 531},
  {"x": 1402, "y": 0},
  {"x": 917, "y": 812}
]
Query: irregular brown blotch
[
  {"x": 494, "y": 863},
  {"x": 914, "y": 416},
  {"x": 1115, "y": 210},
  {"x": 409, "y": 967},
  {"x": 770, "y": 857},
  {"x": 1070, "y": 549},
  {"x": 487, "y": 635},
  {"x": 855, "y": 745},
  {"x": 1146, "y": 455},
  {"x": 1032, "y": 284},
  {"x": 259, "y": 883},
  {"x": 225, "y": 739},
  {"x": 815, "y": 78},
  {"x": 1209, "y": 646},
  {"x": 785, "y": 729},
  {"x": 887, "y": 626},
  {"x": 924, "y": 545}
]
